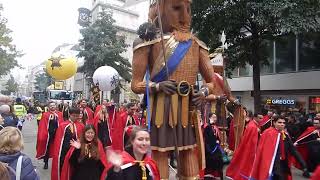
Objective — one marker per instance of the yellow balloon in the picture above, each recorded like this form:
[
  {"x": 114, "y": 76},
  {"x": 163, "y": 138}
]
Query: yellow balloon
[{"x": 61, "y": 68}]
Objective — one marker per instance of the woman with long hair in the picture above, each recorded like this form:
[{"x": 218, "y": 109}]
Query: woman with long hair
[
  {"x": 101, "y": 122},
  {"x": 134, "y": 163},
  {"x": 86, "y": 158}
]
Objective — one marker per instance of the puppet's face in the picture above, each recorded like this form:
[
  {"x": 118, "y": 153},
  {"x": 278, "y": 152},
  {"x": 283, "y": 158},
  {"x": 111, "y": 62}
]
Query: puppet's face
[{"x": 176, "y": 15}]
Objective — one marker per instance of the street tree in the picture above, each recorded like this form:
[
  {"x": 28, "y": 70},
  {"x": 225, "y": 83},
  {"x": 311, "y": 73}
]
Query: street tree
[
  {"x": 42, "y": 81},
  {"x": 11, "y": 86},
  {"x": 8, "y": 51},
  {"x": 250, "y": 26},
  {"x": 102, "y": 45}
]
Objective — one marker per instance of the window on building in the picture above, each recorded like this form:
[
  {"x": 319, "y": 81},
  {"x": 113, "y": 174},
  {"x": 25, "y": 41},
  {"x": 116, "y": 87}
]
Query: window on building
[
  {"x": 246, "y": 71},
  {"x": 309, "y": 51},
  {"x": 267, "y": 68},
  {"x": 286, "y": 53},
  {"x": 235, "y": 73}
]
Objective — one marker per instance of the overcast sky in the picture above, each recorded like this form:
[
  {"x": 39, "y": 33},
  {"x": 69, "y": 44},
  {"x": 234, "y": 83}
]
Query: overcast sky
[{"x": 41, "y": 25}]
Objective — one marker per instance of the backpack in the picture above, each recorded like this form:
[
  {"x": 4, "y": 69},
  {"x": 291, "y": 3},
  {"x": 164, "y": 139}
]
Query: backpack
[{"x": 18, "y": 167}]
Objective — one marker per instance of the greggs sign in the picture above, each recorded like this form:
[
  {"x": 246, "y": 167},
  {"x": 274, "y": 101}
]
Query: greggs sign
[{"x": 281, "y": 101}]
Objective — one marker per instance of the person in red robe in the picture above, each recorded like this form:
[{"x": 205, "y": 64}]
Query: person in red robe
[
  {"x": 110, "y": 107},
  {"x": 308, "y": 145},
  {"x": 133, "y": 163},
  {"x": 86, "y": 159},
  {"x": 103, "y": 124},
  {"x": 105, "y": 102},
  {"x": 266, "y": 121},
  {"x": 86, "y": 111},
  {"x": 123, "y": 120},
  {"x": 67, "y": 131},
  {"x": 243, "y": 158},
  {"x": 46, "y": 132},
  {"x": 274, "y": 150}
]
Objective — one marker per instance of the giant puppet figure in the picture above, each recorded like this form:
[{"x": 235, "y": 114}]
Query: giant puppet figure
[
  {"x": 173, "y": 98},
  {"x": 218, "y": 104}
]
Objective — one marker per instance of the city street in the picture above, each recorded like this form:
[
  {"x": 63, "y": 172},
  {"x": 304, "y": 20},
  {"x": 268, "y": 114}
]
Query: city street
[{"x": 30, "y": 138}]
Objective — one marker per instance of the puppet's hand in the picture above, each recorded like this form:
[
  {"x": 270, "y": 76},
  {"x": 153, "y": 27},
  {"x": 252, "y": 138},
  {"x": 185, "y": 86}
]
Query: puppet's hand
[
  {"x": 168, "y": 87},
  {"x": 198, "y": 98}
]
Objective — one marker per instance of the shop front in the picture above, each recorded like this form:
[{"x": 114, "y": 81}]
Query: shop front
[
  {"x": 314, "y": 103},
  {"x": 285, "y": 103}
]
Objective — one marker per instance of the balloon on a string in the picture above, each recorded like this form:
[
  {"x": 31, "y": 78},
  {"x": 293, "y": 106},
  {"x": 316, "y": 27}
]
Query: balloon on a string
[
  {"x": 106, "y": 77},
  {"x": 60, "y": 67}
]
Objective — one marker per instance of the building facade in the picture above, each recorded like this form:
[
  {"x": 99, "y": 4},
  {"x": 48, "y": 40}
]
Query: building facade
[
  {"x": 128, "y": 16},
  {"x": 291, "y": 80}
]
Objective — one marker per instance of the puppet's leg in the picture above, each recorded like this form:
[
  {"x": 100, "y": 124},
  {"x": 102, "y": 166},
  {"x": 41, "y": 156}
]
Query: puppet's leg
[
  {"x": 189, "y": 167},
  {"x": 161, "y": 159}
]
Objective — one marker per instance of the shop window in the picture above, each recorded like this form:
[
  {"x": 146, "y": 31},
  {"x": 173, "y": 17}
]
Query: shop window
[
  {"x": 235, "y": 72},
  {"x": 267, "y": 68},
  {"x": 286, "y": 53},
  {"x": 309, "y": 51},
  {"x": 245, "y": 71}
]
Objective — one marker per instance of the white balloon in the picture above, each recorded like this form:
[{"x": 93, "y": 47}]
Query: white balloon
[{"x": 106, "y": 77}]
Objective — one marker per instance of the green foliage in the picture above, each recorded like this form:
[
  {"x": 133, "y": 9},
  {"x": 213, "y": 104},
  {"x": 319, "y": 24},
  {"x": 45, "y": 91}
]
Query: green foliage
[
  {"x": 42, "y": 81},
  {"x": 250, "y": 24},
  {"x": 11, "y": 86},
  {"x": 101, "y": 45},
  {"x": 8, "y": 51}
]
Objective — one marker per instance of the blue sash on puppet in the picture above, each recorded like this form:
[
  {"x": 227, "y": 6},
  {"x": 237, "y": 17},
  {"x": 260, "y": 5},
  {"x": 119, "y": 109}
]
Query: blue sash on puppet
[{"x": 173, "y": 62}]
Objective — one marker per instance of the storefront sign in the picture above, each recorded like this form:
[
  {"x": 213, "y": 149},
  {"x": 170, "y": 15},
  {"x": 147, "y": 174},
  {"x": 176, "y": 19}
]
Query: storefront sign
[
  {"x": 281, "y": 101},
  {"x": 315, "y": 100},
  {"x": 217, "y": 61}
]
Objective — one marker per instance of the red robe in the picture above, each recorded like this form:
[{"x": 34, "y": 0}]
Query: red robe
[
  {"x": 66, "y": 174},
  {"x": 58, "y": 142},
  {"x": 264, "y": 120},
  {"x": 150, "y": 164},
  {"x": 303, "y": 149},
  {"x": 241, "y": 164},
  {"x": 118, "y": 130},
  {"x": 43, "y": 134},
  {"x": 111, "y": 112},
  {"x": 89, "y": 113},
  {"x": 95, "y": 122},
  {"x": 266, "y": 154},
  {"x": 316, "y": 174}
]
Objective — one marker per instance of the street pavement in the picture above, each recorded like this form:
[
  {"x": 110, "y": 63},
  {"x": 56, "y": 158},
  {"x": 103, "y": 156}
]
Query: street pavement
[{"x": 29, "y": 132}]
